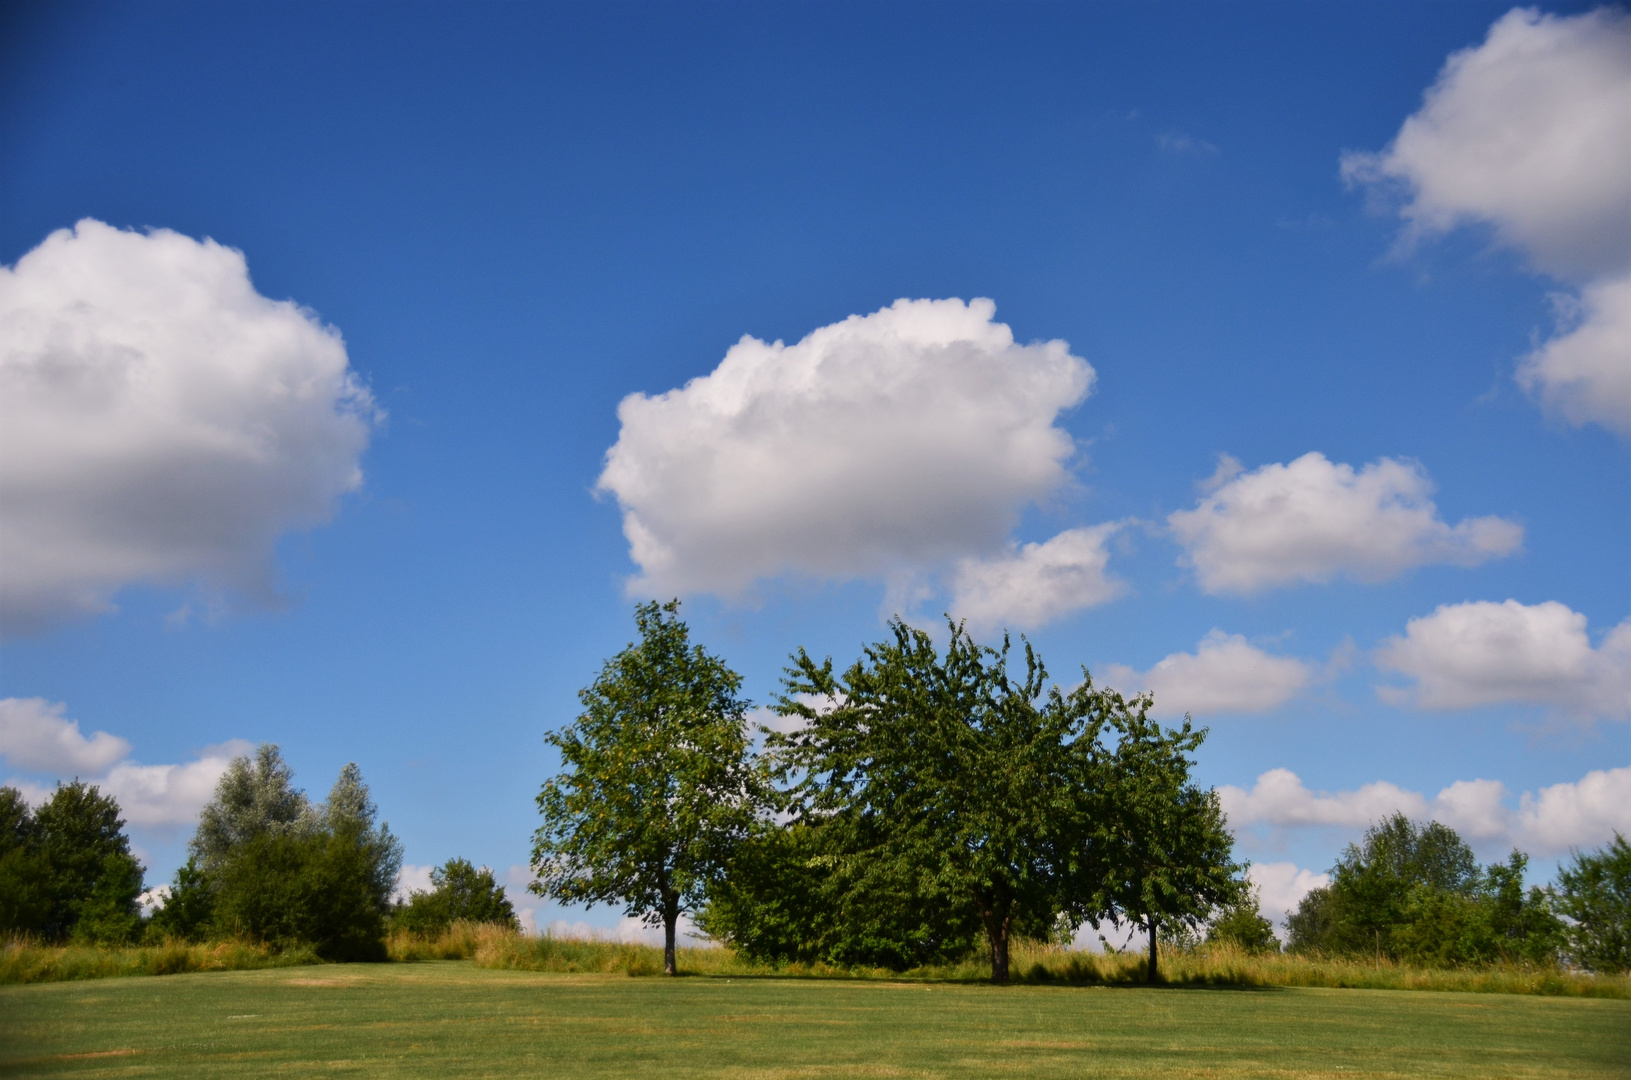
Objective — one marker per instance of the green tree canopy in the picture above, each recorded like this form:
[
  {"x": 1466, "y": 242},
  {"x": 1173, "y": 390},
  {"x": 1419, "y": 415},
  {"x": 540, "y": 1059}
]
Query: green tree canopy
[
  {"x": 92, "y": 880},
  {"x": 1416, "y": 893},
  {"x": 254, "y": 796},
  {"x": 459, "y": 891},
  {"x": 657, "y": 787},
  {"x": 1594, "y": 895},
  {"x": 1164, "y": 852},
  {"x": 953, "y": 783}
]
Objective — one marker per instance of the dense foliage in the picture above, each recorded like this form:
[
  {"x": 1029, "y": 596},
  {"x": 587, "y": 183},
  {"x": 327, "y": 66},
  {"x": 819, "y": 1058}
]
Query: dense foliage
[
  {"x": 1416, "y": 894},
  {"x": 66, "y": 871},
  {"x": 267, "y": 866},
  {"x": 1594, "y": 895},
  {"x": 459, "y": 892},
  {"x": 657, "y": 788}
]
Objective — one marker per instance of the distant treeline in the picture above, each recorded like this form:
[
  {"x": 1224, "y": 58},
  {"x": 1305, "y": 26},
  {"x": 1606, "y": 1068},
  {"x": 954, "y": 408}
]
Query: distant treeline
[
  {"x": 924, "y": 804},
  {"x": 917, "y": 809},
  {"x": 265, "y": 865}
]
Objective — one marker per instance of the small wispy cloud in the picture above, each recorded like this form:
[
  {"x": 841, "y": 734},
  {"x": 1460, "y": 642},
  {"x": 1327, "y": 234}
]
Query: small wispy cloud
[{"x": 1176, "y": 142}]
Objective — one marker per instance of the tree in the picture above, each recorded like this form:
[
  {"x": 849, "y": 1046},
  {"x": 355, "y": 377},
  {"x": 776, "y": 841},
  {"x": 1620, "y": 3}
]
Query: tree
[
  {"x": 1594, "y": 894},
  {"x": 1166, "y": 855},
  {"x": 252, "y": 798},
  {"x": 1416, "y": 894},
  {"x": 459, "y": 892},
  {"x": 953, "y": 782},
  {"x": 92, "y": 878},
  {"x": 189, "y": 906},
  {"x": 25, "y": 887},
  {"x": 1241, "y": 924},
  {"x": 278, "y": 870},
  {"x": 658, "y": 787}
]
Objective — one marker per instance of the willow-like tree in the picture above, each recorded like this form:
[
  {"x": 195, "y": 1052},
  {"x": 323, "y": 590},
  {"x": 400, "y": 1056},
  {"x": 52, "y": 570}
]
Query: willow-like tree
[
  {"x": 1163, "y": 850},
  {"x": 972, "y": 786},
  {"x": 658, "y": 786}
]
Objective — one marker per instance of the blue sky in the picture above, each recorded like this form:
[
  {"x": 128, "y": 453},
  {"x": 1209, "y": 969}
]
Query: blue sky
[{"x": 515, "y": 216}]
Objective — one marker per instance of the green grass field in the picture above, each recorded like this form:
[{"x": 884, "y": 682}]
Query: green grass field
[{"x": 453, "y": 1019}]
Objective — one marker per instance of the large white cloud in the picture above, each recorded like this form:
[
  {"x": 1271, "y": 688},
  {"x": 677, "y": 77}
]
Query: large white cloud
[
  {"x": 1225, "y": 674},
  {"x": 1484, "y": 653},
  {"x": 900, "y": 439},
  {"x": 1529, "y": 133},
  {"x": 1312, "y": 520},
  {"x": 1583, "y": 813},
  {"x": 1030, "y": 585},
  {"x": 167, "y": 796},
  {"x": 36, "y": 735},
  {"x": 160, "y": 421}
]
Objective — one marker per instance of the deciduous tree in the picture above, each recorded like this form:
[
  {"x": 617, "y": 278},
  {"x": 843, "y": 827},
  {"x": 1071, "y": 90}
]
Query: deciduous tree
[
  {"x": 1165, "y": 854},
  {"x": 658, "y": 786},
  {"x": 963, "y": 786}
]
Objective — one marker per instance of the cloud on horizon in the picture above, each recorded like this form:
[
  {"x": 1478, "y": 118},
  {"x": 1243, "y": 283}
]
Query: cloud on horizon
[
  {"x": 37, "y": 737},
  {"x": 1585, "y": 813},
  {"x": 161, "y": 422}
]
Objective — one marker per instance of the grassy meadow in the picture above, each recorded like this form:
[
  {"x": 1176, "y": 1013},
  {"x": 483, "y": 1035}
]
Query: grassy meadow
[{"x": 455, "y": 1019}]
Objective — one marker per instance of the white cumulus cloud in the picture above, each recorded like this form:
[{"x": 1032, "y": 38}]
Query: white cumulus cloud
[
  {"x": 167, "y": 796},
  {"x": 37, "y": 735},
  {"x": 1034, "y": 584},
  {"x": 1312, "y": 520},
  {"x": 1583, "y": 374},
  {"x": 1579, "y": 814},
  {"x": 1281, "y": 886},
  {"x": 1484, "y": 653},
  {"x": 1225, "y": 674},
  {"x": 908, "y": 437},
  {"x": 160, "y": 421},
  {"x": 1529, "y": 133}
]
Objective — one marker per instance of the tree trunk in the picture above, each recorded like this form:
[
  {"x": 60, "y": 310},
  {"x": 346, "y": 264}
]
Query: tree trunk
[
  {"x": 996, "y": 932},
  {"x": 671, "y": 914},
  {"x": 1152, "y": 975}
]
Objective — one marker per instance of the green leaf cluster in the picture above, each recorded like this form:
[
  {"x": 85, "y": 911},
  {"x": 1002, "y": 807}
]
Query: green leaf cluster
[
  {"x": 459, "y": 891},
  {"x": 1594, "y": 897},
  {"x": 1416, "y": 894},
  {"x": 66, "y": 871}
]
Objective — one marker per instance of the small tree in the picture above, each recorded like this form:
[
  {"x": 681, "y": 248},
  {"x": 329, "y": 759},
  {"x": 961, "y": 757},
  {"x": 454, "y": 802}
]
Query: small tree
[
  {"x": 969, "y": 787},
  {"x": 658, "y": 787},
  {"x": 1594, "y": 894},
  {"x": 1166, "y": 855},
  {"x": 1241, "y": 924},
  {"x": 459, "y": 892}
]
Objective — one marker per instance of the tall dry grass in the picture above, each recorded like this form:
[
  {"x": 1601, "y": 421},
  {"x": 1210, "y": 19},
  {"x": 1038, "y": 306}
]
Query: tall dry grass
[
  {"x": 497, "y": 947},
  {"x": 22, "y": 961}
]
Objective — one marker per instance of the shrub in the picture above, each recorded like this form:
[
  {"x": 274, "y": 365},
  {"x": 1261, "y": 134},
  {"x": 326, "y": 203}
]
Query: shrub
[{"x": 460, "y": 892}]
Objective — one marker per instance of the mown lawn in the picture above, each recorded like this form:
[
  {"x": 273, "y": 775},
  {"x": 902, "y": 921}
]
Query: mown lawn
[{"x": 451, "y": 1019}]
